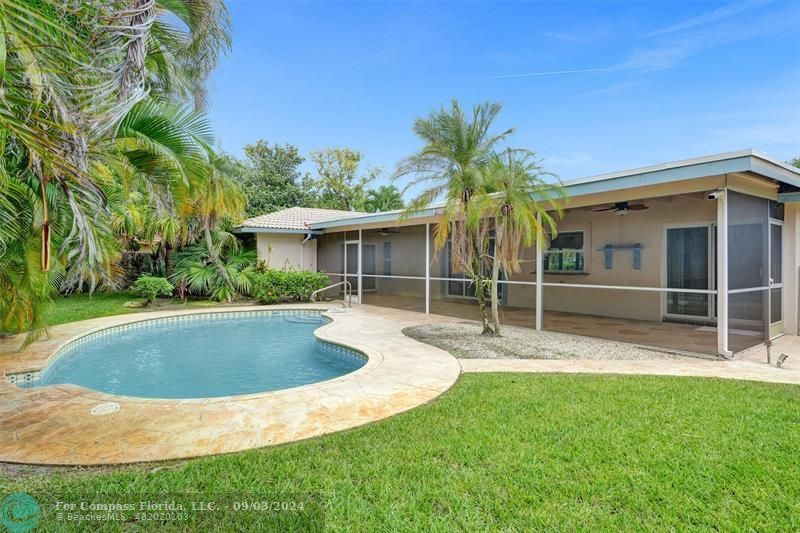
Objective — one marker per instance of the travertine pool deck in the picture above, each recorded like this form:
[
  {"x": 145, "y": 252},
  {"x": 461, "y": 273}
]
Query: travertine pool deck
[{"x": 54, "y": 425}]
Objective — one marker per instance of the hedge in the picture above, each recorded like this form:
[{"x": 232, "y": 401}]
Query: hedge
[{"x": 276, "y": 286}]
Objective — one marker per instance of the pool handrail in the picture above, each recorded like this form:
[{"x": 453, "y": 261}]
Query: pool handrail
[{"x": 348, "y": 292}]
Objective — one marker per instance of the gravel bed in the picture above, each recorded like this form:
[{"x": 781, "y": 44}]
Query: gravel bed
[{"x": 465, "y": 341}]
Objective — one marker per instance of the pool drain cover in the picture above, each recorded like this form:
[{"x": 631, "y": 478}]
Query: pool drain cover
[{"x": 105, "y": 408}]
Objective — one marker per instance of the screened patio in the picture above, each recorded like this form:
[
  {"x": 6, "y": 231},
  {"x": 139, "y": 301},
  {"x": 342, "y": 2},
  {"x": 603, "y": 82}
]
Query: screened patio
[{"x": 640, "y": 269}]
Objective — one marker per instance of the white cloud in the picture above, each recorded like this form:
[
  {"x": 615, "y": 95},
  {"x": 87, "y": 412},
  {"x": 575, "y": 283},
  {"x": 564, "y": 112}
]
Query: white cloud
[{"x": 720, "y": 13}]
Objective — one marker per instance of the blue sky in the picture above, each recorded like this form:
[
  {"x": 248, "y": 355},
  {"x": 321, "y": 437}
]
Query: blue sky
[{"x": 592, "y": 87}]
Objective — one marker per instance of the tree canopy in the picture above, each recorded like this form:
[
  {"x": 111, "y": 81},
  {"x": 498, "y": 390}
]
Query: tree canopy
[
  {"x": 339, "y": 183},
  {"x": 271, "y": 177}
]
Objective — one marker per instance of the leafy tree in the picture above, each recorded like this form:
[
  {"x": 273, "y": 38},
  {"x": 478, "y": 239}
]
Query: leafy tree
[
  {"x": 451, "y": 164},
  {"x": 384, "y": 198},
  {"x": 794, "y": 162},
  {"x": 515, "y": 205},
  {"x": 339, "y": 184},
  {"x": 271, "y": 177}
]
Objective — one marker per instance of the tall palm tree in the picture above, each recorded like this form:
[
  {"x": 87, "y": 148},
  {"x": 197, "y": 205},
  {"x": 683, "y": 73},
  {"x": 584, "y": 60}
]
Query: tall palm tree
[
  {"x": 173, "y": 46},
  {"x": 520, "y": 205},
  {"x": 70, "y": 74},
  {"x": 384, "y": 198},
  {"x": 451, "y": 165}
]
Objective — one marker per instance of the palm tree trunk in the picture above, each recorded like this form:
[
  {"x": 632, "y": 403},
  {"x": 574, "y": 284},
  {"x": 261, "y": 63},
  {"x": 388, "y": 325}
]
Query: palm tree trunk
[
  {"x": 143, "y": 13},
  {"x": 212, "y": 254},
  {"x": 487, "y": 330},
  {"x": 45, "y": 227},
  {"x": 495, "y": 303}
]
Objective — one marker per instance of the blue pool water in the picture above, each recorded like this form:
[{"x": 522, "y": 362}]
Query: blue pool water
[{"x": 203, "y": 356}]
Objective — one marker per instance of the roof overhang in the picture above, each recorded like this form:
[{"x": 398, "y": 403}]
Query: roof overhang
[
  {"x": 377, "y": 218},
  {"x": 789, "y": 197},
  {"x": 715, "y": 165},
  {"x": 742, "y": 162},
  {"x": 287, "y": 231}
]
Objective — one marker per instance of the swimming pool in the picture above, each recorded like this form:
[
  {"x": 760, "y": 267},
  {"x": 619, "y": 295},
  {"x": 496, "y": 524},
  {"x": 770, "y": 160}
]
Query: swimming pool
[{"x": 202, "y": 356}]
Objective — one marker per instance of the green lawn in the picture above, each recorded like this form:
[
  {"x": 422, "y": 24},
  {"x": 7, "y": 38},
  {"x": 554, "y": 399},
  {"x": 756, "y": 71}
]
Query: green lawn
[
  {"x": 84, "y": 306},
  {"x": 521, "y": 451}
]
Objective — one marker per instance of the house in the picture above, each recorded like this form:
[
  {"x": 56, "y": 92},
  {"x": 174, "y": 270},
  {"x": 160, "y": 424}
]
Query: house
[
  {"x": 284, "y": 239},
  {"x": 696, "y": 255}
]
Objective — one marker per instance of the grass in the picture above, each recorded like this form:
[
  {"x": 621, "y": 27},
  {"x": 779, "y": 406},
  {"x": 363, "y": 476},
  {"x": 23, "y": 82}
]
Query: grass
[
  {"x": 84, "y": 306},
  {"x": 519, "y": 451}
]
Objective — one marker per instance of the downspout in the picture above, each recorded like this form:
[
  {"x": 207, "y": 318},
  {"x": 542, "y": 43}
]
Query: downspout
[{"x": 302, "y": 246}]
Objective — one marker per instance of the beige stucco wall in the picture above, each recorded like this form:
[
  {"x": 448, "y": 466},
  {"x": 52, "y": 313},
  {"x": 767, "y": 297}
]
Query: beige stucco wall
[
  {"x": 282, "y": 251},
  {"x": 791, "y": 261},
  {"x": 674, "y": 204},
  {"x": 647, "y": 228}
]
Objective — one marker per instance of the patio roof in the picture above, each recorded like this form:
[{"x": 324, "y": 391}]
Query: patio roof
[
  {"x": 698, "y": 167},
  {"x": 307, "y": 220}
]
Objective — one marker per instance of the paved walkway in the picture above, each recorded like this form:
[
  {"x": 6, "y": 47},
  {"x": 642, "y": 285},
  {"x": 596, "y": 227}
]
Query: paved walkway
[
  {"x": 750, "y": 364},
  {"x": 54, "y": 425}
]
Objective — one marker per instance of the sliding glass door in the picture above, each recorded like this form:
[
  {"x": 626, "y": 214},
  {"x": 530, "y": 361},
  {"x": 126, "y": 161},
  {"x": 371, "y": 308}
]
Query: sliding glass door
[{"x": 690, "y": 266}]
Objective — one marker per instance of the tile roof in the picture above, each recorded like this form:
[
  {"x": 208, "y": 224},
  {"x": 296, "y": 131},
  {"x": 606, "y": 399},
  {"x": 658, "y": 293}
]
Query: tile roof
[{"x": 296, "y": 218}]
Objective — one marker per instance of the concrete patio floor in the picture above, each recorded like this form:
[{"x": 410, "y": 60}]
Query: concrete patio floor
[{"x": 666, "y": 335}]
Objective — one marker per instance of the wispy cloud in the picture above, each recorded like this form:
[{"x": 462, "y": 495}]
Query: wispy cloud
[
  {"x": 677, "y": 43},
  {"x": 557, "y": 72},
  {"x": 575, "y": 38},
  {"x": 621, "y": 87},
  {"x": 715, "y": 15},
  {"x": 425, "y": 37},
  {"x": 670, "y": 46}
]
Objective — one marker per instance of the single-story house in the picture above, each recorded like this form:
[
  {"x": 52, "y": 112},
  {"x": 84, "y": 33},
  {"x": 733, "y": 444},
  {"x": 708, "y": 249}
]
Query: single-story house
[{"x": 698, "y": 255}]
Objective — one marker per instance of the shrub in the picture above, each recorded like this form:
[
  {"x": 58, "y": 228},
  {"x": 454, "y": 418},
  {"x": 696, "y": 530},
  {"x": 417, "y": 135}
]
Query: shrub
[
  {"x": 276, "y": 286},
  {"x": 196, "y": 273},
  {"x": 152, "y": 287}
]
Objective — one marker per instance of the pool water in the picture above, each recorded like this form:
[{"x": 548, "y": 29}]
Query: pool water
[{"x": 203, "y": 356}]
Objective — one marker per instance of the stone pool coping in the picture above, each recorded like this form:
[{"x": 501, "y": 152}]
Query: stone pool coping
[{"x": 53, "y": 425}]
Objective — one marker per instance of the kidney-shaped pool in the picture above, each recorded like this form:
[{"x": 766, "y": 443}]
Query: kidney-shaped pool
[{"x": 202, "y": 356}]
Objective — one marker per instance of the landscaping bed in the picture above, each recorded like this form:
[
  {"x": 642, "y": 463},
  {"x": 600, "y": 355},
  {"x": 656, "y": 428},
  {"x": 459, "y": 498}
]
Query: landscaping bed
[{"x": 464, "y": 340}]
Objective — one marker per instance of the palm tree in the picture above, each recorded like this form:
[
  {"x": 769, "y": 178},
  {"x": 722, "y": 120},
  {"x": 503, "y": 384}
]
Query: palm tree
[
  {"x": 451, "y": 165},
  {"x": 384, "y": 198},
  {"x": 519, "y": 206},
  {"x": 71, "y": 73},
  {"x": 172, "y": 47}
]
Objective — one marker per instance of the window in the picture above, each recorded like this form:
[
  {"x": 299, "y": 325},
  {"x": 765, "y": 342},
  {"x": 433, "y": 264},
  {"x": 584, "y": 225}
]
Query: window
[
  {"x": 466, "y": 289},
  {"x": 565, "y": 253},
  {"x": 387, "y": 258}
]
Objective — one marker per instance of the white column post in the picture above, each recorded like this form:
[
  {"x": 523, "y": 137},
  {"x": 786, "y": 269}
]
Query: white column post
[
  {"x": 427, "y": 268},
  {"x": 344, "y": 272},
  {"x": 539, "y": 275},
  {"x": 360, "y": 291},
  {"x": 302, "y": 245},
  {"x": 722, "y": 274}
]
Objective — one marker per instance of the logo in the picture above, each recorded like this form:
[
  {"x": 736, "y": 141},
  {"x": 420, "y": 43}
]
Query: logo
[{"x": 19, "y": 512}]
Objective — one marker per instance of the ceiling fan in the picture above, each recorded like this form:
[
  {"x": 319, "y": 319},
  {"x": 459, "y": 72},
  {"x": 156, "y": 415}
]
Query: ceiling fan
[
  {"x": 385, "y": 232},
  {"x": 622, "y": 208}
]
